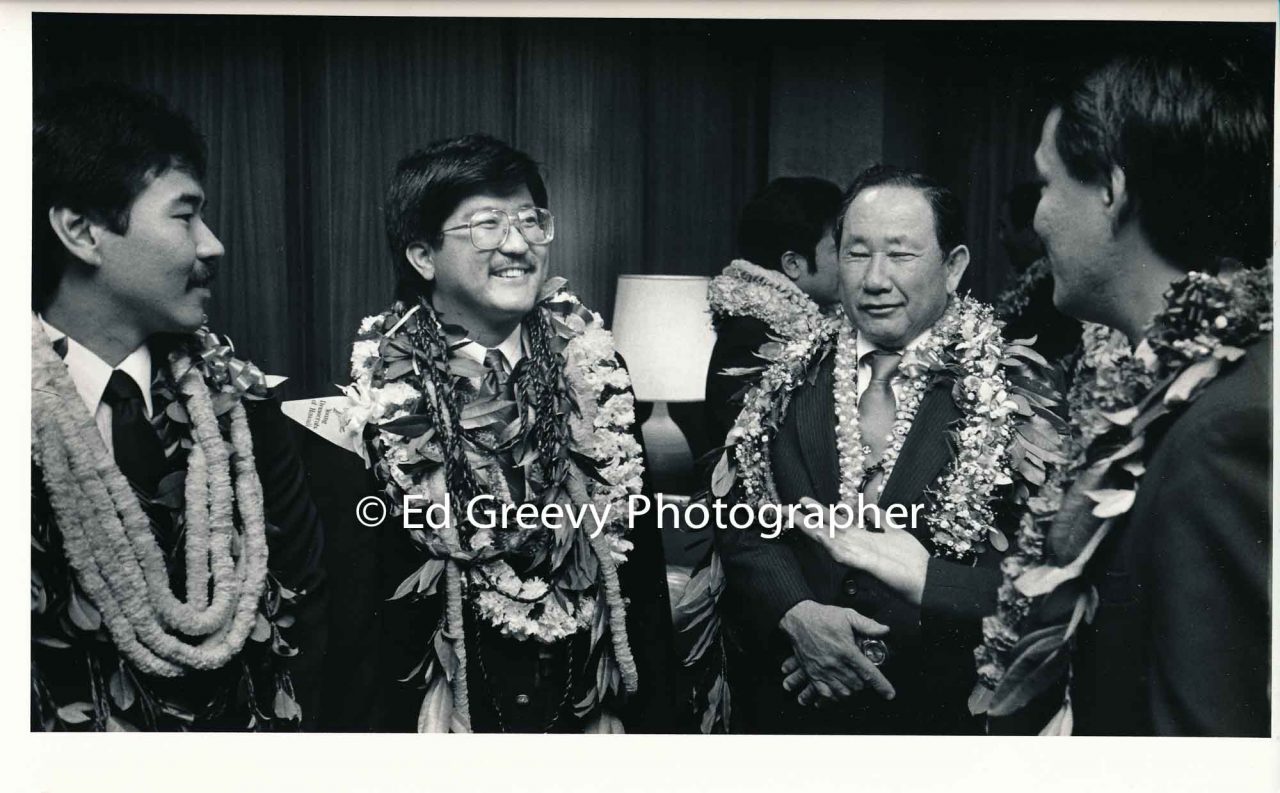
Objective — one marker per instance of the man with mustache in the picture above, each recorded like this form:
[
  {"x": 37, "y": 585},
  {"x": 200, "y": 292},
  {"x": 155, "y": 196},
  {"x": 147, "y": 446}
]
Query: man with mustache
[
  {"x": 488, "y": 385},
  {"x": 865, "y": 622},
  {"x": 174, "y": 585}
]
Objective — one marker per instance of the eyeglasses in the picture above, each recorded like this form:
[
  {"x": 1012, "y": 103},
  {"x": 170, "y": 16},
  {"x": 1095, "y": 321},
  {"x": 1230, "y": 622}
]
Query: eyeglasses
[{"x": 490, "y": 227}]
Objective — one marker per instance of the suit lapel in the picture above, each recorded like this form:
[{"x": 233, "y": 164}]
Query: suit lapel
[
  {"x": 926, "y": 450},
  {"x": 813, "y": 411}
]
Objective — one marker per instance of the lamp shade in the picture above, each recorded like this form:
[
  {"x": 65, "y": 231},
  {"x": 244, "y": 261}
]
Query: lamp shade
[{"x": 662, "y": 327}]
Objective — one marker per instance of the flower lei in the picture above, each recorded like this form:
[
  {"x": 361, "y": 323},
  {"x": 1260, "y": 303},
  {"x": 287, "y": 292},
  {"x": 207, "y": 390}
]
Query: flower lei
[
  {"x": 993, "y": 384},
  {"x": 120, "y": 579},
  {"x": 1118, "y": 394},
  {"x": 1015, "y": 298},
  {"x": 406, "y": 419},
  {"x": 744, "y": 289},
  {"x": 746, "y": 462}
]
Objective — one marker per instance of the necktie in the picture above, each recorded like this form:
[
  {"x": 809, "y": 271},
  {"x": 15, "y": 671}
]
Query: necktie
[
  {"x": 877, "y": 409},
  {"x": 497, "y": 370},
  {"x": 138, "y": 450}
]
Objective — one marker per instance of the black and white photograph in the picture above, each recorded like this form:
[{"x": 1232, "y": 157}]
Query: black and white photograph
[{"x": 861, "y": 389}]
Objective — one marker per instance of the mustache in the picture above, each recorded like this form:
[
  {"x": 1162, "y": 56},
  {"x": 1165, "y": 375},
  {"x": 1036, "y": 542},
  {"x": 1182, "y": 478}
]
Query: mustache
[
  {"x": 525, "y": 262},
  {"x": 202, "y": 276}
]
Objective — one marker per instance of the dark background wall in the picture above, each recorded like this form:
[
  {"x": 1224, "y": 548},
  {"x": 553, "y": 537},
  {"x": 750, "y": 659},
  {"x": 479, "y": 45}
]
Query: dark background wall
[{"x": 653, "y": 133}]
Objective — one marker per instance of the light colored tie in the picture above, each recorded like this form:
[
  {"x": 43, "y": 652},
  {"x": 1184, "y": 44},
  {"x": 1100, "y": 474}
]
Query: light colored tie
[{"x": 877, "y": 409}]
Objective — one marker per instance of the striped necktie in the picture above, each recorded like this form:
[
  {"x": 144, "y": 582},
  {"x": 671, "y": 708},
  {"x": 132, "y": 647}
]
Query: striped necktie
[{"x": 877, "y": 409}]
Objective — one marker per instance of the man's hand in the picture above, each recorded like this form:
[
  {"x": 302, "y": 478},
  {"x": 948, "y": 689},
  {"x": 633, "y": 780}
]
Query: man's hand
[
  {"x": 894, "y": 556},
  {"x": 828, "y": 665}
]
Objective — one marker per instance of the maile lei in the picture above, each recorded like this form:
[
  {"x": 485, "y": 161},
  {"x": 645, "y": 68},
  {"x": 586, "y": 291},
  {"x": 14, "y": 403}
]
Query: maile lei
[
  {"x": 744, "y": 289},
  {"x": 1006, "y": 442},
  {"x": 117, "y": 603},
  {"x": 558, "y": 434},
  {"x": 1117, "y": 403}
]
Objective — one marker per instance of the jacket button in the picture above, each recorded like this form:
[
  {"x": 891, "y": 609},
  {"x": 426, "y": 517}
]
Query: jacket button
[
  {"x": 522, "y": 699},
  {"x": 851, "y": 587}
]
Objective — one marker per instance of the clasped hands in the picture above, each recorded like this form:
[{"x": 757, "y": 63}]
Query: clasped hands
[{"x": 827, "y": 664}]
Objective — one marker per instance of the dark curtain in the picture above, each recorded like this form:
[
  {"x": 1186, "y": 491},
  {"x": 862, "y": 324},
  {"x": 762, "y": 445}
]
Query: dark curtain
[
  {"x": 994, "y": 103},
  {"x": 969, "y": 99},
  {"x": 371, "y": 93},
  {"x": 579, "y": 107}
]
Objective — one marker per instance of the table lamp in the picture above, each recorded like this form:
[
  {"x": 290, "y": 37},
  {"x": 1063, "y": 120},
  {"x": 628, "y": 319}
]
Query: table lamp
[{"x": 662, "y": 327}]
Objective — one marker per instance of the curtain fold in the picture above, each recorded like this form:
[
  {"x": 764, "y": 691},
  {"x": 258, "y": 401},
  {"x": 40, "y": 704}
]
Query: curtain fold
[
  {"x": 372, "y": 93},
  {"x": 580, "y": 110}
]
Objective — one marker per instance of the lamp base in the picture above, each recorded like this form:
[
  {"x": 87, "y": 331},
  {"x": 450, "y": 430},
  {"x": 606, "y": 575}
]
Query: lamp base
[{"x": 670, "y": 459}]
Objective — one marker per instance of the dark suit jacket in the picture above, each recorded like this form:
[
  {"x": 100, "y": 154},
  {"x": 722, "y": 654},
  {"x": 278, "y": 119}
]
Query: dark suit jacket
[
  {"x": 931, "y": 663},
  {"x": 1181, "y": 642},
  {"x": 737, "y": 339}
]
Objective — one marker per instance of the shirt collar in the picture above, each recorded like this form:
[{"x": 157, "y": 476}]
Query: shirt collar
[
  {"x": 90, "y": 373},
  {"x": 512, "y": 348},
  {"x": 865, "y": 345}
]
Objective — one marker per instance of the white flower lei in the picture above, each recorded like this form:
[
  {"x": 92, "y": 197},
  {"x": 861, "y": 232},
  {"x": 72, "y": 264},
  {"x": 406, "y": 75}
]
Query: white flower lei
[
  {"x": 109, "y": 541},
  {"x": 601, "y": 431},
  {"x": 748, "y": 458},
  {"x": 744, "y": 289},
  {"x": 966, "y": 343}
]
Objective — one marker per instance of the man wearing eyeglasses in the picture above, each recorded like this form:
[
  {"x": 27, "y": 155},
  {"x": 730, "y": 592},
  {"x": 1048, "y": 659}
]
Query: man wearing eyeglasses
[
  {"x": 487, "y": 385},
  {"x": 485, "y": 268}
]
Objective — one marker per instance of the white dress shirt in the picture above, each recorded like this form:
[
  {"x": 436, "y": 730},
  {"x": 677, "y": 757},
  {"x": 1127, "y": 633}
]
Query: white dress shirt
[
  {"x": 512, "y": 348},
  {"x": 90, "y": 374}
]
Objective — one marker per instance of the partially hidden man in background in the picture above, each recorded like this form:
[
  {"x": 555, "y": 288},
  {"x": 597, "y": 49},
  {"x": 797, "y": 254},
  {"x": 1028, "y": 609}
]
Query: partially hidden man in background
[
  {"x": 1146, "y": 581},
  {"x": 783, "y": 283},
  {"x": 175, "y": 572},
  {"x": 913, "y": 400},
  {"x": 487, "y": 380},
  {"x": 1026, "y": 304}
]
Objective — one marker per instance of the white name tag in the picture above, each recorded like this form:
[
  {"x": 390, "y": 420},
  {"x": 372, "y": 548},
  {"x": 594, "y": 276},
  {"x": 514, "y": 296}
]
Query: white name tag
[{"x": 323, "y": 416}]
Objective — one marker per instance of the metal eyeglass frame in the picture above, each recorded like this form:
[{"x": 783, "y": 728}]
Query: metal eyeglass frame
[{"x": 470, "y": 225}]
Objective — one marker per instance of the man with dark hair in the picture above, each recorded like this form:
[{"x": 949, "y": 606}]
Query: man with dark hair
[
  {"x": 893, "y": 430},
  {"x": 428, "y": 186},
  {"x": 783, "y": 282},
  {"x": 488, "y": 387},
  {"x": 1156, "y": 205},
  {"x": 160, "y": 598}
]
